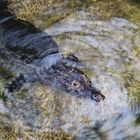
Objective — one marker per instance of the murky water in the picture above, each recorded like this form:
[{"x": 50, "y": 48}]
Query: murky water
[{"x": 110, "y": 51}]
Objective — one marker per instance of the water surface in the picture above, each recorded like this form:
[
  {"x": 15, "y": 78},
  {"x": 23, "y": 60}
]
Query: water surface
[{"x": 110, "y": 51}]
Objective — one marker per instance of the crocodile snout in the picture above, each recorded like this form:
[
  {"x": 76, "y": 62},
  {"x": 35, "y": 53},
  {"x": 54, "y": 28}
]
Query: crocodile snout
[{"x": 97, "y": 95}]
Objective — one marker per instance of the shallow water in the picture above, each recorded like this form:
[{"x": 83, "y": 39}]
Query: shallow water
[{"x": 110, "y": 51}]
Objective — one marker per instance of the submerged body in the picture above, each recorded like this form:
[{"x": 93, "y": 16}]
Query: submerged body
[{"x": 38, "y": 49}]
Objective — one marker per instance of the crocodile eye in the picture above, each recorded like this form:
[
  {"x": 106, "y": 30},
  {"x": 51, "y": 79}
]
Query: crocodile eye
[{"x": 75, "y": 84}]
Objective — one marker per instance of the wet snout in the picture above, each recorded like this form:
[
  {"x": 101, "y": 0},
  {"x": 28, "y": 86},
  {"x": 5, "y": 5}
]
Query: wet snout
[{"x": 97, "y": 95}]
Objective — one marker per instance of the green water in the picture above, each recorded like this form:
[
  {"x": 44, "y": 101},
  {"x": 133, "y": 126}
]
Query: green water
[{"x": 105, "y": 37}]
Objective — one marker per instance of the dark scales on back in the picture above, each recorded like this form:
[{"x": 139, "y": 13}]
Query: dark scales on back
[{"x": 38, "y": 49}]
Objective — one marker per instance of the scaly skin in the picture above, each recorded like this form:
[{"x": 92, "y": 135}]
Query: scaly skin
[{"x": 38, "y": 49}]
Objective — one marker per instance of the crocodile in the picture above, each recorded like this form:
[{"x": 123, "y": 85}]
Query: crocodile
[{"x": 37, "y": 49}]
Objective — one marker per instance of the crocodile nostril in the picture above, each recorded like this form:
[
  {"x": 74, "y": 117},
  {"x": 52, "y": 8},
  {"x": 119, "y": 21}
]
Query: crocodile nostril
[{"x": 100, "y": 97}]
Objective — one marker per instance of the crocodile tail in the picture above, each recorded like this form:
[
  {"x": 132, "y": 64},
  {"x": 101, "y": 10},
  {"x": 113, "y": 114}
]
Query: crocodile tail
[{"x": 3, "y": 4}]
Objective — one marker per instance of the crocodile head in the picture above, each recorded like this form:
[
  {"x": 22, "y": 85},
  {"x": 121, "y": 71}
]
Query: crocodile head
[{"x": 73, "y": 81}]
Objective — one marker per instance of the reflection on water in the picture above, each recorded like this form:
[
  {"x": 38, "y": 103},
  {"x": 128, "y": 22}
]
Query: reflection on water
[{"x": 110, "y": 51}]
